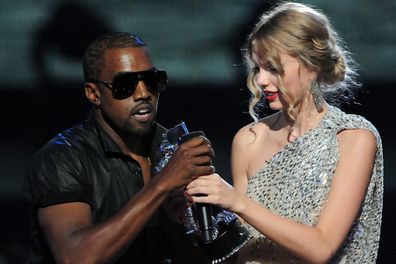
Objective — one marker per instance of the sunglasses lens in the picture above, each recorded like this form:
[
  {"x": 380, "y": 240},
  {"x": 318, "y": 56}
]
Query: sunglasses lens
[
  {"x": 156, "y": 80},
  {"x": 161, "y": 80},
  {"x": 124, "y": 84}
]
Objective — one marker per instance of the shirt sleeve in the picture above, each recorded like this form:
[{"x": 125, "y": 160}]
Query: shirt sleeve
[{"x": 56, "y": 176}]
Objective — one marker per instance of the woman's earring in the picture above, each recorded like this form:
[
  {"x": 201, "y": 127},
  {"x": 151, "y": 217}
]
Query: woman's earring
[{"x": 317, "y": 96}]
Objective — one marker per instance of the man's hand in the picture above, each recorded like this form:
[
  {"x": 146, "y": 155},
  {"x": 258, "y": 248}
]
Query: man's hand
[
  {"x": 191, "y": 160},
  {"x": 176, "y": 205}
]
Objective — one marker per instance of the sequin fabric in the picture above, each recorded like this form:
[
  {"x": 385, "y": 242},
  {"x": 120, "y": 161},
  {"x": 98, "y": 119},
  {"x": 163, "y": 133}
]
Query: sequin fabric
[{"x": 295, "y": 184}]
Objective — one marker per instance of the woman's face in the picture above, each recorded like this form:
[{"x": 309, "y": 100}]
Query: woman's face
[{"x": 296, "y": 80}]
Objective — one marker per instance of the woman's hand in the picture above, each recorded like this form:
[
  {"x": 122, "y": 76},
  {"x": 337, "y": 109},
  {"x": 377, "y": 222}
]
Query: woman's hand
[{"x": 217, "y": 191}]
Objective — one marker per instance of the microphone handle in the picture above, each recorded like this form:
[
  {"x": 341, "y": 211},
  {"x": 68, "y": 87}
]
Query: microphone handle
[
  {"x": 191, "y": 135},
  {"x": 205, "y": 221},
  {"x": 204, "y": 211}
]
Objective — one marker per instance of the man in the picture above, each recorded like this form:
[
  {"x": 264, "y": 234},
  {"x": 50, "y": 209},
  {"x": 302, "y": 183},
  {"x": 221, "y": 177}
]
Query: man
[{"x": 93, "y": 191}]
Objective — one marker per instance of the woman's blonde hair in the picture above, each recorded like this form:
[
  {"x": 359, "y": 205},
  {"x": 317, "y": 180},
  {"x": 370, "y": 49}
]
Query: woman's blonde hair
[{"x": 306, "y": 34}]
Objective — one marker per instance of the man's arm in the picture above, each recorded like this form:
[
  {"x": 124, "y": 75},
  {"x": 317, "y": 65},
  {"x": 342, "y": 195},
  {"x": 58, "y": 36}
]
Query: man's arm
[{"x": 74, "y": 239}]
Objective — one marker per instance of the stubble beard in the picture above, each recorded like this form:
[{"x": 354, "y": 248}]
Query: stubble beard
[
  {"x": 135, "y": 131},
  {"x": 138, "y": 129}
]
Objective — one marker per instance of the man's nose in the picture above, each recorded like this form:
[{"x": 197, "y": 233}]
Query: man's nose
[{"x": 141, "y": 92}]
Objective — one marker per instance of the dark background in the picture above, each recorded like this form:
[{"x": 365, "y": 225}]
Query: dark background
[{"x": 198, "y": 43}]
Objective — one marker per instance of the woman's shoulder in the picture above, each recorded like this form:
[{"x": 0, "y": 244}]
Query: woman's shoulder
[
  {"x": 256, "y": 130},
  {"x": 345, "y": 121}
]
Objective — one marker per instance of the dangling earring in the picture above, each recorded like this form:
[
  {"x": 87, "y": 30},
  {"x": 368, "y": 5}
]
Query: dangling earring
[{"x": 317, "y": 95}]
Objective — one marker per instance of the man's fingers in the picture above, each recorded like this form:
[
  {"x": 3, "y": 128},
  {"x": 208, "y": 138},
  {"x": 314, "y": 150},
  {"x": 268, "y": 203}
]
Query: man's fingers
[
  {"x": 195, "y": 141},
  {"x": 202, "y": 160}
]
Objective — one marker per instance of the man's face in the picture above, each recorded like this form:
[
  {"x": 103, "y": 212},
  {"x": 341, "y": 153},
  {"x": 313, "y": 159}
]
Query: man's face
[{"x": 133, "y": 115}]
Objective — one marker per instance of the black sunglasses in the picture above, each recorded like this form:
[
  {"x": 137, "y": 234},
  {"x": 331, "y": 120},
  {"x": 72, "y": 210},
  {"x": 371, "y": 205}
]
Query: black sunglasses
[{"x": 124, "y": 83}]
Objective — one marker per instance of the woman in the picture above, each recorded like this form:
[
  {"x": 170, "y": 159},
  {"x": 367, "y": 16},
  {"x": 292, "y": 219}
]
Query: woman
[{"x": 308, "y": 180}]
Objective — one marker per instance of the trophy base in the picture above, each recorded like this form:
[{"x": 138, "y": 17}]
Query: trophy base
[{"x": 227, "y": 243}]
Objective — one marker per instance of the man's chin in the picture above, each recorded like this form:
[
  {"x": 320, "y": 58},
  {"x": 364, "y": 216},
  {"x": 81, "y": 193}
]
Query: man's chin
[{"x": 140, "y": 130}]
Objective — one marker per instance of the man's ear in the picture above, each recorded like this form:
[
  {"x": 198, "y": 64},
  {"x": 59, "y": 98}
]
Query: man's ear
[{"x": 92, "y": 93}]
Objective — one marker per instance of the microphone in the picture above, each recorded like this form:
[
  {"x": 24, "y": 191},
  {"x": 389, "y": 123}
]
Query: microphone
[
  {"x": 221, "y": 236},
  {"x": 203, "y": 210},
  {"x": 205, "y": 222}
]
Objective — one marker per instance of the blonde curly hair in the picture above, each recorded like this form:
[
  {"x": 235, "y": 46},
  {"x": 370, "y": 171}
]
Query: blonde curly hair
[{"x": 306, "y": 34}]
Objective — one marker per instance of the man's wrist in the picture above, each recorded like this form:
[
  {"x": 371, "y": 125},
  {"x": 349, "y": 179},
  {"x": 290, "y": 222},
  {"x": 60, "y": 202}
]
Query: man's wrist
[{"x": 160, "y": 185}]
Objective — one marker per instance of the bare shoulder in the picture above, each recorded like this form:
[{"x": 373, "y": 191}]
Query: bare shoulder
[
  {"x": 255, "y": 130},
  {"x": 357, "y": 145},
  {"x": 357, "y": 137}
]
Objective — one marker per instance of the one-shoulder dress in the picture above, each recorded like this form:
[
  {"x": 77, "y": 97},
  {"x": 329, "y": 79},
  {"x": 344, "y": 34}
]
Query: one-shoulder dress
[{"x": 295, "y": 184}]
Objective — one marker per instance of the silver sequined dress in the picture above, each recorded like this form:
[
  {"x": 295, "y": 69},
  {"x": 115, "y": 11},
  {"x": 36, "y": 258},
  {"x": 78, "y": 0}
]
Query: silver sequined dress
[{"x": 295, "y": 184}]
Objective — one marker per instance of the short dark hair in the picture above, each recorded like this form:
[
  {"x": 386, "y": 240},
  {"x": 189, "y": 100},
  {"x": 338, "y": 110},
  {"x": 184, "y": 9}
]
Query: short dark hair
[{"x": 93, "y": 56}]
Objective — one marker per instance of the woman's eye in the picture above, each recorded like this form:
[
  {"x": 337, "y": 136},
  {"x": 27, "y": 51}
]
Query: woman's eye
[
  {"x": 256, "y": 69},
  {"x": 271, "y": 68}
]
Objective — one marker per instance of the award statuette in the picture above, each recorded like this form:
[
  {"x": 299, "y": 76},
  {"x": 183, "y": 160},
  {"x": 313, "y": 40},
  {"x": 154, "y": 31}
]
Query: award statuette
[{"x": 220, "y": 236}]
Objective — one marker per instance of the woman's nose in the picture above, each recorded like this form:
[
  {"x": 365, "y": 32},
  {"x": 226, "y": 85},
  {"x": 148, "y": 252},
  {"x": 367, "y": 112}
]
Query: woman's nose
[{"x": 263, "y": 77}]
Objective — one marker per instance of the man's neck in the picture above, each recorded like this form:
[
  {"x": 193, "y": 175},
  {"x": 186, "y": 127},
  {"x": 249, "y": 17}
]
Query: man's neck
[{"x": 129, "y": 144}]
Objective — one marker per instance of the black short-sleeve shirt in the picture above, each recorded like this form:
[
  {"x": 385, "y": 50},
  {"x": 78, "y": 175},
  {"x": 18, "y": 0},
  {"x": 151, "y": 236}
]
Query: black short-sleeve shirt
[{"x": 84, "y": 164}]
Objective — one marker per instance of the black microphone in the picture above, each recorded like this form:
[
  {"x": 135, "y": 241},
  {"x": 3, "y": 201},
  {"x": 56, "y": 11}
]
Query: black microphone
[
  {"x": 203, "y": 210},
  {"x": 205, "y": 222}
]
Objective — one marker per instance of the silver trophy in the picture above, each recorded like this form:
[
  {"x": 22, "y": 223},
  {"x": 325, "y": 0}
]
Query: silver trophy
[{"x": 221, "y": 234}]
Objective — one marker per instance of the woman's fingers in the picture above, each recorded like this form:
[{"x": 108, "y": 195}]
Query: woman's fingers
[
  {"x": 203, "y": 199},
  {"x": 210, "y": 189},
  {"x": 200, "y": 190}
]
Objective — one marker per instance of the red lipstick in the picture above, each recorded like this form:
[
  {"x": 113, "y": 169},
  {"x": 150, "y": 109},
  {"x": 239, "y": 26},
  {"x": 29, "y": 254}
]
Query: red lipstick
[{"x": 271, "y": 96}]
